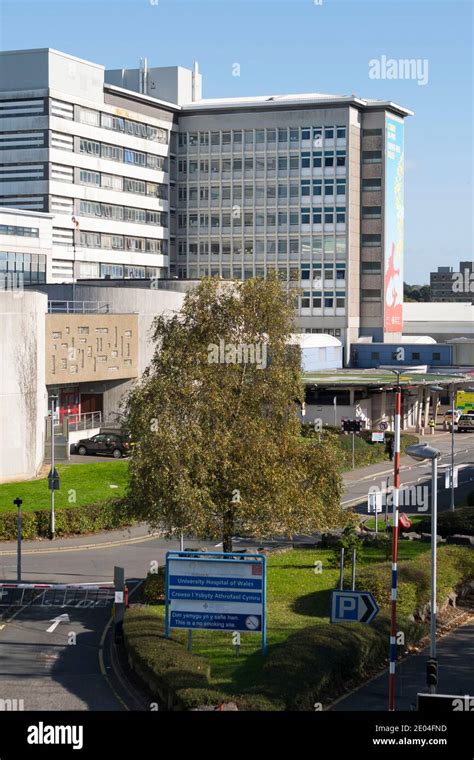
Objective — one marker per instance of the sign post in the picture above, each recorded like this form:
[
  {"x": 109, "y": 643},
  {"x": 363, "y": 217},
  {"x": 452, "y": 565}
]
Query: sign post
[
  {"x": 216, "y": 592},
  {"x": 18, "y": 502}
]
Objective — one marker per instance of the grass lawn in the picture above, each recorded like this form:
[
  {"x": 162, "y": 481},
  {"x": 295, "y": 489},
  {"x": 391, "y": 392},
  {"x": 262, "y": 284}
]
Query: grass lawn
[
  {"x": 297, "y": 597},
  {"x": 370, "y": 523},
  {"x": 90, "y": 482}
]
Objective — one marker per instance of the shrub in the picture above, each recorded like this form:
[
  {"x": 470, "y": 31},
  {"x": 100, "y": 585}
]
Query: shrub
[
  {"x": 106, "y": 515},
  {"x": 315, "y": 665},
  {"x": 460, "y": 521},
  {"x": 154, "y": 587}
]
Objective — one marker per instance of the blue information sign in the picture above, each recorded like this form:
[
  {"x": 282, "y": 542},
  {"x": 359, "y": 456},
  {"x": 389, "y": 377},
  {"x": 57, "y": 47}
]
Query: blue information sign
[{"x": 216, "y": 592}]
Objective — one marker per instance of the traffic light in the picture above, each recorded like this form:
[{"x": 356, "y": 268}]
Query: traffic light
[{"x": 432, "y": 672}]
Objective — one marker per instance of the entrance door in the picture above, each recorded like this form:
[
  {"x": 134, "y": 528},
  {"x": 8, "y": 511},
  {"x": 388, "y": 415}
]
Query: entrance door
[{"x": 91, "y": 402}]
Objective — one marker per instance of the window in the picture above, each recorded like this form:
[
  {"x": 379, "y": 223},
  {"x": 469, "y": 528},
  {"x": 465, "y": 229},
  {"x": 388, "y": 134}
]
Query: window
[
  {"x": 215, "y": 138},
  {"x": 204, "y": 139},
  {"x": 340, "y": 302},
  {"x": 271, "y": 136},
  {"x": 329, "y": 133},
  {"x": 415, "y": 355},
  {"x": 328, "y": 216},
  {"x": 317, "y": 302},
  {"x": 317, "y": 215},
  {"x": 305, "y": 161},
  {"x": 134, "y": 186},
  {"x": 375, "y": 355},
  {"x": 111, "y": 181},
  {"x": 328, "y": 187},
  {"x": 328, "y": 302},
  {"x": 282, "y": 135},
  {"x": 340, "y": 273},
  {"x": 282, "y": 164},
  {"x": 340, "y": 158},
  {"x": 371, "y": 133},
  {"x": 90, "y": 147},
  {"x": 341, "y": 133},
  {"x": 294, "y": 135},
  {"x": 88, "y": 116},
  {"x": 371, "y": 185},
  {"x": 371, "y": 157},
  {"x": 305, "y": 216},
  {"x": 133, "y": 157},
  {"x": 113, "y": 152},
  {"x": 371, "y": 267},
  {"x": 371, "y": 241},
  {"x": 370, "y": 295},
  {"x": 340, "y": 187},
  {"x": 192, "y": 138},
  {"x": 317, "y": 159},
  {"x": 341, "y": 215},
  {"x": 329, "y": 158},
  {"x": 237, "y": 137},
  {"x": 436, "y": 356},
  {"x": 260, "y": 136},
  {"x": 371, "y": 212},
  {"x": 305, "y": 133},
  {"x": 89, "y": 178}
]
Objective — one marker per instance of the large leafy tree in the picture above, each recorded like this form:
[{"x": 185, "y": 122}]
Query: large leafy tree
[{"x": 216, "y": 424}]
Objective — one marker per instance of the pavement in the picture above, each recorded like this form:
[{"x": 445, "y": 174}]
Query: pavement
[{"x": 455, "y": 654}]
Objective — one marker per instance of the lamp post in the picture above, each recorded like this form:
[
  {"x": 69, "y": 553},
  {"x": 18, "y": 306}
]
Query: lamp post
[
  {"x": 421, "y": 452},
  {"x": 53, "y": 399},
  {"x": 396, "y": 501}
]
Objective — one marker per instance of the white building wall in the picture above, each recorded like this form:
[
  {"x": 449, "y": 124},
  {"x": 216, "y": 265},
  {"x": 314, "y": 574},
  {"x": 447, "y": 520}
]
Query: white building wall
[{"x": 23, "y": 399}]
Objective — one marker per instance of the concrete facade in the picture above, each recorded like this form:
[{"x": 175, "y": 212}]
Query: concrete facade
[{"x": 23, "y": 397}]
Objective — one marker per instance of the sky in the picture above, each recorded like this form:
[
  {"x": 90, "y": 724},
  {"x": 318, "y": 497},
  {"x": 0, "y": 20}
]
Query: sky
[{"x": 291, "y": 46}]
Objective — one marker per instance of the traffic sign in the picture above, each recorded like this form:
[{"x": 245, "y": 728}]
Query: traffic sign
[
  {"x": 374, "y": 501},
  {"x": 53, "y": 480},
  {"x": 378, "y": 437},
  {"x": 447, "y": 477},
  {"x": 383, "y": 426},
  {"x": 353, "y": 607}
]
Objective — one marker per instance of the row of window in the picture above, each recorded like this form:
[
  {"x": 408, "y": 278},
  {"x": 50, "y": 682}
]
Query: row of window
[
  {"x": 121, "y": 242},
  {"x": 329, "y": 214},
  {"x": 317, "y": 300},
  {"x": 10, "y": 229},
  {"x": 294, "y": 246},
  {"x": 261, "y": 136},
  {"x": 316, "y": 159},
  {"x": 110, "y": 181},
  {"x": 123, "y": 155},
  {"x": 119, "y": 124},
  {"x": 260, "y": 193},
  {"x": 93, "y": 269},
  {"x": 123, "y": 213},
  {"x": 316, "y": 271},
  {"x": 18, "y": 268},
  {"x": 249, "y": 219}
]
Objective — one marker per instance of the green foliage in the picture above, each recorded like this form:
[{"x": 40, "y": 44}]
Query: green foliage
[
  {"x": 460, "y": 521},
  {"x": 316, "y": 663},
  {"x": 455, "y": 566},
  {"x": 75, "y": 520},
  {"x": 154, "y": 587},
  {"x": 218, "y": 446}
]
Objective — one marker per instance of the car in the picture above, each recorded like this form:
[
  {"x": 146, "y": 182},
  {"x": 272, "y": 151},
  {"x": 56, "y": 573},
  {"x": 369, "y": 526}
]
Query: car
[
  {"x": 466, "y": 423},
  {"x": 115, "y": 445}
]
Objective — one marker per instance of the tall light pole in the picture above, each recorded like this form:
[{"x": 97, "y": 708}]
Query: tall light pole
[
  {"x": 396, "y": 499},
  {"x": 421, "y": 452},
  {"x": 53, "y": 399}
]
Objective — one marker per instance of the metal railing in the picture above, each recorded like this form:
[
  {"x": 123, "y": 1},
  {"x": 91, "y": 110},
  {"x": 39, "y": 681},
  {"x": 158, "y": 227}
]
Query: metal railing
[
  {"x": 78, "y": 307},
  {"x": 84, "y": 421}
]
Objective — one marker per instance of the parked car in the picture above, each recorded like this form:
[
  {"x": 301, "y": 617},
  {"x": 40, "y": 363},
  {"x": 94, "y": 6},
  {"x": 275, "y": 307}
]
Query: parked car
[
  {"x": 466, "y": 423},
  {"x": 111, "y": 444}
]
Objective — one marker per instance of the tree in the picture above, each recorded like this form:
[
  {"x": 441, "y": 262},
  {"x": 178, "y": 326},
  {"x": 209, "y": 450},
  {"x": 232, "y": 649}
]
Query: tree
[{"x": 216, "y": 427}]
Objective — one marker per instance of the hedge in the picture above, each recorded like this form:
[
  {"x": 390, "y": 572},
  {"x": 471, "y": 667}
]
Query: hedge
[
  {"x": 455, "y": 566},
  {"x": 460, "y": 521},
  {"x": 93, "y": 518}
]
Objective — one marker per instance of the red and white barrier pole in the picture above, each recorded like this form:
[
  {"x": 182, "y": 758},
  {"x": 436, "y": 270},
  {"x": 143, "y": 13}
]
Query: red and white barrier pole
[{"x": 396, "y": 501}]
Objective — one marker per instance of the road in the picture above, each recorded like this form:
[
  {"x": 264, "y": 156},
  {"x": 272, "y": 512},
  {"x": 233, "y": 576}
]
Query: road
[
  {"x": 412, "y": 473},
  {"x": 454, "y": 651},
  {"x": 48, "y": 672}
]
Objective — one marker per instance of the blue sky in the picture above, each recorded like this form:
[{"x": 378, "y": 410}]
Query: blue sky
[{"x": 302, "y": 46}]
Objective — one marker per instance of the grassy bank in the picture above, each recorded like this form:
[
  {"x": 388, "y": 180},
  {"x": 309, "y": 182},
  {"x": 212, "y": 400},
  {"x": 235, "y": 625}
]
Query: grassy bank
[{"x": 81, "y": 484}]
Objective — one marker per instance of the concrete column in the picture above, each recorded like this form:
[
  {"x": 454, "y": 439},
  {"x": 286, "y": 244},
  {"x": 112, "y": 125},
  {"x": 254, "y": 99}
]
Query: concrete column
[
  {"x": 427, "y": 410},
  {"x": 419, "y": 408}
]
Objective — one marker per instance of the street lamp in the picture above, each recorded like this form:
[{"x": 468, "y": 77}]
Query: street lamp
[
  {"x": 53, "y": 399},
  {"x": 396, "y": 501},
  {"x": 421, "y": 452}
]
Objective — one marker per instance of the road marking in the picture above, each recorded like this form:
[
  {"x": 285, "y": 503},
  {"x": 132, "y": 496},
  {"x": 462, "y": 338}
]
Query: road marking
[
  {"x": 86, "y": 547},
  {"x": 56, "y": 621}
]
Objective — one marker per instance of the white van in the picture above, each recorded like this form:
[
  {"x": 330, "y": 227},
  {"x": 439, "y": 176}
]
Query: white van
[{"x": 466, "y": 423}]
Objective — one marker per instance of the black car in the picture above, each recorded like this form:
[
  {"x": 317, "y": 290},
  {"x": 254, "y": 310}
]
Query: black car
[{"x": 111, "y": 444}]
